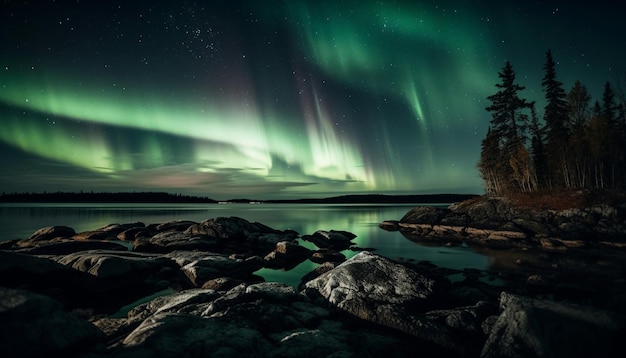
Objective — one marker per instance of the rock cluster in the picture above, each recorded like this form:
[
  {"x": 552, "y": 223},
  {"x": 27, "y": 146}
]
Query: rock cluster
[
  {"x": 499, "y": 223},
  {"x": 190, "y": 289}
]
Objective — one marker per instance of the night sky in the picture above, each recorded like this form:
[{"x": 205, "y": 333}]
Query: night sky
[{"x": 276, "y": 99}]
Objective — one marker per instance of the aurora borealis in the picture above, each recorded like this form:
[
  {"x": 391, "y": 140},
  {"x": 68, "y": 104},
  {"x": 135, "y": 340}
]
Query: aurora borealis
[{"x": 274, "y": 99}]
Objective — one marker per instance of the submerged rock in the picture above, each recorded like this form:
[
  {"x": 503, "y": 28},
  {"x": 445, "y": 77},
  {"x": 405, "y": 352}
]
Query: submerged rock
[
  {"x": 333, "y": 239},
  {"x": 286, "y": 255},
  {"x": 325, "y": 255}
]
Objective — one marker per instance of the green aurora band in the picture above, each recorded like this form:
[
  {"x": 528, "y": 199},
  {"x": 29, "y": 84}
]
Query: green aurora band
[
  {"x": 225, "y": 136},
  {"x": 408, "y": 58}
]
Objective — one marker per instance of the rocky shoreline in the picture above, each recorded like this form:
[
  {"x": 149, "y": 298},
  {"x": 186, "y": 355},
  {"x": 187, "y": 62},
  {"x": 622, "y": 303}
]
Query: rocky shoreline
[
  {"x": 188, "y": 288},
  {"x": 498, "y": 222}
]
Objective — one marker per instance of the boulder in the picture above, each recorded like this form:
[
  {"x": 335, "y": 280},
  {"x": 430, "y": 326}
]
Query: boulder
[
  {"x": 384, "y": 292},
  {"x": 9, "y": 244},
  {"x": 233, "y": 228},
  {"x": 122, "y": 277},
  {"x": 453, "y": 219},
  {"x": 239, "y": 235},
  {"x": 389, "y": 225},
  {"x": 333, "y": 239},
  {"x": 68, "y": 246},
  {"x": 468, "y": 319},
  {"x": 368, "y": 277},
  {"x": 324, "y": 255},
  {"x": 177, "y": 334},
  {"x": 222, "y": 283},
  {"x": 286, "y": 255},
  {"x": 202, "y": 267},
  {"x": 435, "y": 234},
  {"x": 267, "y": 242},
  {"x": 133, "y": 233},
  {"x": 95, "y": 235},
  {"x": 109, "y": 232},
  {"x": 260, "y": 320},
  {"x": 532, "y": 226},
  {"x": 424, "y": 215},
  {"x": 34, "y": 325},
  {"x": 168, "y": 241},
  {"x": 467, "y": 324},
  {"x": 319, "y": 270},
  {"x": 177, "y": 225},
  {"x": 106, "y": 264},
  {"x": 115, "y": 229},
  {"x": 52, "y": 232},
  {"x": 46, "y": 276},
  {"x": 529, "y": 327}
]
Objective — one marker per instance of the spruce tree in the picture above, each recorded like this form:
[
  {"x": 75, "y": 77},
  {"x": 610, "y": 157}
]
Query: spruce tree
[
  {"x": 538, "y": 151},
  {"x": 579, "y": 160},
  {"x": 556, "y": 118},
  {"x": 614, "y": 156},
  {"x": 608, "y": 103},
  {"x": 506, "y": 105},
  {"x": 599, "y": 145},
  {"x": 508, "y": 127},
  {"x": 578, "y": 100}
]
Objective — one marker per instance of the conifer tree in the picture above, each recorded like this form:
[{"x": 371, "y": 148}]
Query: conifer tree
[
  {"x": 599, "y": 147},
  {"x": 538, "y": 151},
  {"x": 614, "y": 153},
  {"x": 577, "y": 147},
  {"x": 608, "y": 103},
  {"x": 578, "y": 100},
  {"x": 508, "y": 128},
  {"x": 506, "y": 105},
  {"x": 556, "y": 119}
]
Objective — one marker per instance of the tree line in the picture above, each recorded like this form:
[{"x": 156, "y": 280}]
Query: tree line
[
  {"x": 102, "y": 197},
  {"x": 576, "y": 145}
]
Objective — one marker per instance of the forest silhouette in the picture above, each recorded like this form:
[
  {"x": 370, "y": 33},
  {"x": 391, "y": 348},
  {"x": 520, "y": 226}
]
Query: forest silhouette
[{"x": 575, "y": 146}]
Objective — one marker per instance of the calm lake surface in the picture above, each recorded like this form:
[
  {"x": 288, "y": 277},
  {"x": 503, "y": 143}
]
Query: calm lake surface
[{"x": 19, "y": 221}]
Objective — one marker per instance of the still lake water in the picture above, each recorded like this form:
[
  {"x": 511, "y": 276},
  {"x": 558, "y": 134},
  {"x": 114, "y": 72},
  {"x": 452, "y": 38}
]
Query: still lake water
[{"x": 19, "y": 221}]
